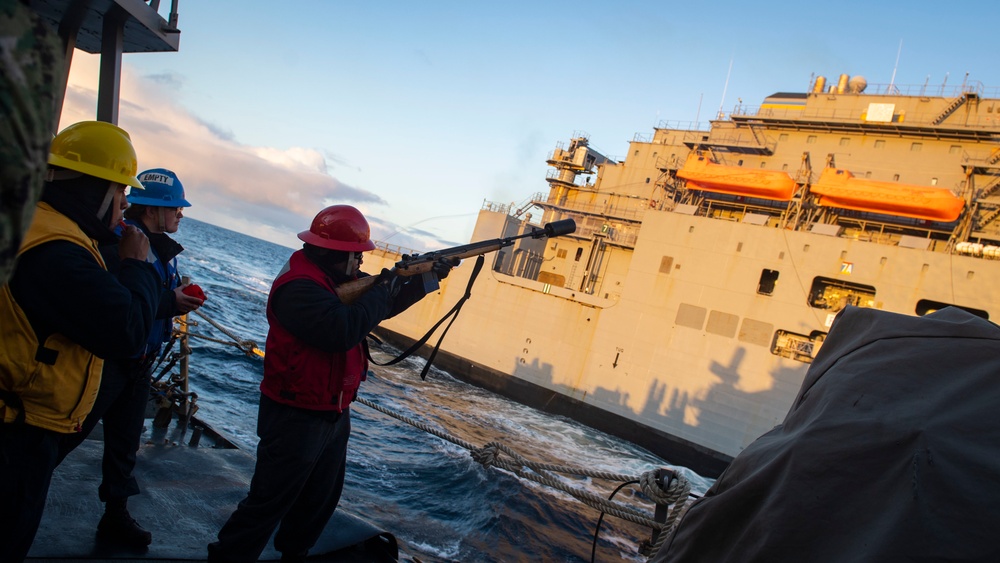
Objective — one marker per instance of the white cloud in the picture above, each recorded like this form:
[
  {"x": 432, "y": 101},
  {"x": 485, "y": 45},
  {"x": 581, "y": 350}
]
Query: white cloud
[{"x": 266, "y": 192}]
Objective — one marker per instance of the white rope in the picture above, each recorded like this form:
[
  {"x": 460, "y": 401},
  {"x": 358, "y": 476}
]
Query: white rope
[
  {"x": 249, "y": 347},
  {"x": 491, "y": 455}
]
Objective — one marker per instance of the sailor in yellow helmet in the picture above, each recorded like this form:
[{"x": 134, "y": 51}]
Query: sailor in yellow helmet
[{"x": 62, "y": 312}]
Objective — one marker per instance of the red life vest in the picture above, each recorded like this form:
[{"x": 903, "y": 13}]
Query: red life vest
[{"x": 300, "y": 375}]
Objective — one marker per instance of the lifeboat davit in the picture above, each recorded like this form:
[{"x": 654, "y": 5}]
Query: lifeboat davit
[
  {"x": 703, "y": 174},
  {"x": 839, "y": 188}
]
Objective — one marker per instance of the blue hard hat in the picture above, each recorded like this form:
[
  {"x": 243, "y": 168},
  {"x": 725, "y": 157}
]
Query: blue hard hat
[{"x": 163, "y": 189}]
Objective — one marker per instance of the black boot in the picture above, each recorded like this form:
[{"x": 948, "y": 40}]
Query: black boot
[{"x": 117, "y": 526}]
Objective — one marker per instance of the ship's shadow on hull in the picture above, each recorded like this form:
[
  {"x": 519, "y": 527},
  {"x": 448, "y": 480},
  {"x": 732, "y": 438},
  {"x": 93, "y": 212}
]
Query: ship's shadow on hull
[{"x": 671, "y": 448}]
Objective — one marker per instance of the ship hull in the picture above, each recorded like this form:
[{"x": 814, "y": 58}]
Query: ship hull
[{"x": 683, "y": 360}]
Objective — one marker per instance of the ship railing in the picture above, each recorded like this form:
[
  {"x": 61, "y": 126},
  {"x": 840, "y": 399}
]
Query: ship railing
[
  {"x": 386, "y": 249},
  {"x": 497, "y": 207},
  {"x": 513, "y": 208},
  {"x": 585, "y": 183},
  {"x": 171, "y": 17},
  {"x": 684, "y": 125},
  {"x": 854, "y": 116},
  {"x": 884, "y": 233},
  {"x": 633, "y": 209},
  {"x": 624, "y": 236},
  {"x": 746, "y": 141},
  {"x": 735, "y": 210},
  {"x": 984, "y": 158}
]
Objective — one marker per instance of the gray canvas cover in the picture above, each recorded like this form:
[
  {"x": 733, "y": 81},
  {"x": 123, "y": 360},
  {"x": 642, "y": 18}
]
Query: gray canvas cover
[{"x": 890, "y": 452}]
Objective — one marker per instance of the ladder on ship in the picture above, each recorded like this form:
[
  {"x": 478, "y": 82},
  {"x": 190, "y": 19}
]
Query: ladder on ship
[
  {"x": 994, "y": 157},
  {"x": 988, "y": 218},
  {"x": 990, "y": 188},
  {"x": 954, "y": 105}
]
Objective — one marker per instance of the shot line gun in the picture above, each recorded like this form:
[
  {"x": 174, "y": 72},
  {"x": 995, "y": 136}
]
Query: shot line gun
[{"x": 421, "y": 264}]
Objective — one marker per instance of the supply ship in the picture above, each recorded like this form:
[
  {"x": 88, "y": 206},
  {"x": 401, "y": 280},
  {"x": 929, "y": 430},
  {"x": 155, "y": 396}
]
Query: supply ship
[{"x": 709, "y": 263}]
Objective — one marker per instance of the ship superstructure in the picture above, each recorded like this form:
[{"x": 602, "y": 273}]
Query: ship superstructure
[{"x": 709, "y": 263}]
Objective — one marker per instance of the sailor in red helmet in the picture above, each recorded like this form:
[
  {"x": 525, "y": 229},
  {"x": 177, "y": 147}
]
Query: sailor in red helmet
[{"x": 315, "y": 361}]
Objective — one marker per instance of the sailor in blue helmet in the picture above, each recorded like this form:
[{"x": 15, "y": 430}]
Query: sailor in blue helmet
[{"x": 124, "y": 392}]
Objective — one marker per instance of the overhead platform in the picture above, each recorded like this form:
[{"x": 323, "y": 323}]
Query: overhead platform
[
  {"x": 144, "y": 31},
  {"x": 111, "y": 28}
]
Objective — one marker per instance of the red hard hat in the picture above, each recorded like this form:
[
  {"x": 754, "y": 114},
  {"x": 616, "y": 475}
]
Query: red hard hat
[{"x": 339, "y": 227}]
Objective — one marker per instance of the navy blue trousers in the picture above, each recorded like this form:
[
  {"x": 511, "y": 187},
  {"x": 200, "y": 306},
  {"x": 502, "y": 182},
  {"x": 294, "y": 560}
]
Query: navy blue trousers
[
  {"x": 121, "y": 405},
  {"x": 301, "y": 461},
  {"x": 27, "y": 459}
]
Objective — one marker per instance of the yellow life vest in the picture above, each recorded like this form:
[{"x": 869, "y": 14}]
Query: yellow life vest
[{"x": 56, "y": 382}]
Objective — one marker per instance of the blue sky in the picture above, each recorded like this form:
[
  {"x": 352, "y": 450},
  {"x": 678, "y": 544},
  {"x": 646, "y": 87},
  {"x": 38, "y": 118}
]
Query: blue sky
[{"x": 417, "y": 112}]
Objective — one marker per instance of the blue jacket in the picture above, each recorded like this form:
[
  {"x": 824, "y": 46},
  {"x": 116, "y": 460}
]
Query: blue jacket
[{"x": 162, "y": 255}]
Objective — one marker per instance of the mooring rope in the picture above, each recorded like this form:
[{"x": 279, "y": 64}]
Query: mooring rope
[
  {"x": 491, "y": 455},
  {"x": 249, "y": 347}
]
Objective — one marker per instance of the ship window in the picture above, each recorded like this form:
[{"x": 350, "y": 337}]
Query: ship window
[
  {"x": 579, "y": 253},
  {"x": 768, "y": 278},
  {"x": 933, "y": 181},
  {"x": 784, "y": 167},
  {"x": 723, "y": 324},
  {"x": 740, "y": 163},
  {"x": 756, "y": 332},
  {"x": 561, "y": 253},
  {"x": 868, "y": 174},
  {"x": 954, "y": 149},
  {"x": 834, "y": 295},
  {"x": 926, "y": 307},
  {"x": 647, "y": 180},
  {"x": 690, "y": 316},
  {"x": 811, "y": 139},
  {"x": 880, "y": 144},
  {"x": 895, "y": 177},
  {"x": 916, "y": 147},
  {"x": 783, "y": 137},
  {"x": 844, "y": 141},
  {"x": 797, "y": 346},
  {"x": 636, "y": 152},
  {"x": 666, "y": 263}
]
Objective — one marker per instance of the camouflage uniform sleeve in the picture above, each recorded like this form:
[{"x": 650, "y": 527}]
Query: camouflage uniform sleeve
[{"x": 32, "y": 82}]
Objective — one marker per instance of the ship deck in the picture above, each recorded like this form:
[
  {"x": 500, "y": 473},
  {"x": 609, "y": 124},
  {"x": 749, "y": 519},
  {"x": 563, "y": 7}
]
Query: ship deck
[{"x": 187, "y": 495}]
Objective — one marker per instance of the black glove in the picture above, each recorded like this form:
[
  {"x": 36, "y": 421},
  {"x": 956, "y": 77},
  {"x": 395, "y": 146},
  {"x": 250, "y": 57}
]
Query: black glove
[
  {"x": 391, "y": 281},
  {"x": 442, "y": 267}
]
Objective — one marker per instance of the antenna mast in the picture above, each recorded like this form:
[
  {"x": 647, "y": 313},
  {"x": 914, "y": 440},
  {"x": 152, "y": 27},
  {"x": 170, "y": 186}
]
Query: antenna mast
[
  {"x": 724, "y": 88},
  {"x": 892, "y": 81}
]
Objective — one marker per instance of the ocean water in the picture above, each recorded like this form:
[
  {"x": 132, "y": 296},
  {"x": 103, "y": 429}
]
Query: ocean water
[{"x": 430, "y": 493}]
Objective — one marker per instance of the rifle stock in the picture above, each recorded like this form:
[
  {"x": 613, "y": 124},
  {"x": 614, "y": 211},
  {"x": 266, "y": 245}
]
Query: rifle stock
[{"x": 421, "y": 263}]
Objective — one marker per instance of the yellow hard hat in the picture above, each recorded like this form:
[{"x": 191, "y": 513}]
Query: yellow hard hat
[{"x": 96, "y": 148}]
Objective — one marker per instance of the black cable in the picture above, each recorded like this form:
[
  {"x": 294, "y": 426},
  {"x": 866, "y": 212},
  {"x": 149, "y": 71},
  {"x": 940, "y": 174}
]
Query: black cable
[{"x": 597, "y": 531}]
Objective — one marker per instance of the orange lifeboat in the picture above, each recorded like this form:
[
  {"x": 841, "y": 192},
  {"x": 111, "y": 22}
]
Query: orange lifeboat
[
  {"x": 703, "y": 174},
  {"x": 839, "y": 188}
]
